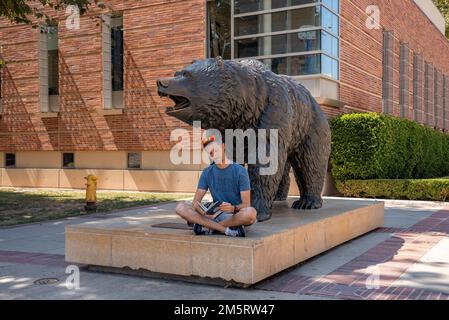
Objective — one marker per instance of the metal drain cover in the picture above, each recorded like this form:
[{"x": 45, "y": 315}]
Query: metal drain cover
[{"x": 46, "y": 281}]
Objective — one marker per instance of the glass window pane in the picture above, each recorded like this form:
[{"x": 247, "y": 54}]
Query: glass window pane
[
  {"x": 333, "y": 4},
  {"x": 279, "y": 44},
  {"x": 329, "y": 21},
  {"x": 134, "y": 160},
  {"x": 278, "y": 21},
  {"x": 245, "y": 6},
  {"x": 219, "y": 29},
  {"x": 68, "y": 160},
  {"x": 117, "y": 53},
  {"x": 294, "y": 66},
  {"x": 329, "y": 44},
  {"x": 53, "y": 63},
  {"x": 10, "y": 160},
  {"x": 329, "y": 67},
  {"x": 52, "y": 37},
  {"x": 53, "y": 72}
]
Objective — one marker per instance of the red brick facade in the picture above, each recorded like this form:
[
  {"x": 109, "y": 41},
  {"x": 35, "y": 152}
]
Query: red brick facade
[
  {"x": 162, "y": 36},
  {"x": 361, "y": 54}
]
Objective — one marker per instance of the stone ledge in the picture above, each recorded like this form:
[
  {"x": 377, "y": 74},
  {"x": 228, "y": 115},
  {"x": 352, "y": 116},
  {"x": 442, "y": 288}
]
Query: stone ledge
[
  {"x": 289, "y": 238},
  {"x": 47, "y": 114},
  {"x": 110, "y": 112}
]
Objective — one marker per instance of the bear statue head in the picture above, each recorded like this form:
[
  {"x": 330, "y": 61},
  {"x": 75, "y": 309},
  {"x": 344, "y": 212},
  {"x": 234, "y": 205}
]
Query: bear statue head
[{"x": 213, "y": 91}]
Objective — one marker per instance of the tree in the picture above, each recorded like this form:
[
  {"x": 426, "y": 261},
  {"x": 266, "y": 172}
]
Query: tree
[
  {"x": 443, "y": 6},
  {"x": 23, "y": 11}
]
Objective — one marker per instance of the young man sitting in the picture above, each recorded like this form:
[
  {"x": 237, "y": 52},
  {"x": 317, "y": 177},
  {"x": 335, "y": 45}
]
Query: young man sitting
[{"x": 228, "y": 183}]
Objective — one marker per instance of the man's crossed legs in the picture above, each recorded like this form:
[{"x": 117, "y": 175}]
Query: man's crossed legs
[{"x": 245, "y": 217}]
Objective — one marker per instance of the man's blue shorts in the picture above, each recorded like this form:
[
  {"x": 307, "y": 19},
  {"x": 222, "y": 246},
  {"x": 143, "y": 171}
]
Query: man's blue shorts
[{"x": 224, "y": 216}]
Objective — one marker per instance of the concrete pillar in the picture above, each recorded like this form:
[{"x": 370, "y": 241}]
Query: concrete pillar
[{"x": 266, "y": 45}]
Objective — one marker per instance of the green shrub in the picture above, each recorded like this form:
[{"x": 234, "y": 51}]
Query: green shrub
[
  {"x": 378, "y": 146},
  {"x": 419, "y": 189}
]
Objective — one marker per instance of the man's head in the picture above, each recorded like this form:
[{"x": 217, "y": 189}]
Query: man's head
[{"x": 215, "y": 149}]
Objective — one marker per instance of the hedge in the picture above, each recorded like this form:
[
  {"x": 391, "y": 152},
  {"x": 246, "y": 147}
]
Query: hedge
[
  {"x": 378, "y": 146},
  {"x": 415, "y": 189}
]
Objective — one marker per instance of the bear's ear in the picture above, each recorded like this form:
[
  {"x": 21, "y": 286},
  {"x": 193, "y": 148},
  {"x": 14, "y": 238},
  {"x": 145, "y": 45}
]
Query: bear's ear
[{"x": 220, "y": 62}]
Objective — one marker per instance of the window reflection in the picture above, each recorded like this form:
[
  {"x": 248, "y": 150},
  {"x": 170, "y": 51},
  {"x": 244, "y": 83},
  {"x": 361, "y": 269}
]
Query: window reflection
[
  {"x": 320, "y": 22},
  {"x": 219, "y": 28},
  {"x": 278, "y": 44},
  {"x": 245, "y": 6},
  {"x": 294, "y": 66},
  {"x": 329, "y": 21},
  {"x": 329, "y": 67},
  {"x": 277, "y": 21},
  {"x": 333, "y": 4}
]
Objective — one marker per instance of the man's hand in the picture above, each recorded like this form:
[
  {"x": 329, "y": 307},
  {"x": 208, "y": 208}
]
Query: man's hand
[
  {"x": 197, "y": 208},
  {"x": 199, "y": 194},
  {"x": 227, "y": 207}
]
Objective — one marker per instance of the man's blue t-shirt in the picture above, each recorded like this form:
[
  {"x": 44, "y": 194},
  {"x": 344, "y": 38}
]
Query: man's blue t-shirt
[{"x": 225, "y": 184}]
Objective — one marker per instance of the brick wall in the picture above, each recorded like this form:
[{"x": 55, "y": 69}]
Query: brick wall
[
  {"x": 161, "y": 36},
  {"x": 361, "y": 53}
]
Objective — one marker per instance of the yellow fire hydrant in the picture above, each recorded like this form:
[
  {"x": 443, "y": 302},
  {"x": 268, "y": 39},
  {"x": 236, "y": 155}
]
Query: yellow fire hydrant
[{"x": 91, "y": 193}]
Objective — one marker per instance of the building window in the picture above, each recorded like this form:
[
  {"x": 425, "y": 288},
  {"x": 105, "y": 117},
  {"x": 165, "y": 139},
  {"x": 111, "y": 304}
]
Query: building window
[
  {"x": 435, "y": 99},
  {"x": 219, "y": 28},
  {"x": 49, "y": 68},
  {"x": 53, "y": 60},
  {"x": 68, "y": 160},
  {"x": 445, "y": 104},
  {"x": 417, "y": 87},
  {"x": 404, "y": 82},
  {"x": 387, "y": 66},
  {"x": 113, "y": 61},
  {"x": 428, "y": 93},
  {"x": 134, "y": 160},
  {"x": 291, "y": 37},
  {"x": 438, "y": 100},
  {"x": 10, "y": 160},
  {"x": 117, "y": 53}
]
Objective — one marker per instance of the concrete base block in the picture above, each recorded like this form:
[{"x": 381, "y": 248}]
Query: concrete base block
[{"x": 289, "y": 238}]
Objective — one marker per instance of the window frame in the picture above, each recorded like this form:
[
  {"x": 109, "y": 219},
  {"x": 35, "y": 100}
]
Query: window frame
[
  {"x": 62, "y": 160},
  {"x": 404, "y": 80},
  {"x": 139, "y": 154},
  {"x": 15, "y": 160},
  {"x": 321, "y": 28}
]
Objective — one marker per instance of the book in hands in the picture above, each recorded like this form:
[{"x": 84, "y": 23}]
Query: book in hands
[{"x": 211, "y": 207}]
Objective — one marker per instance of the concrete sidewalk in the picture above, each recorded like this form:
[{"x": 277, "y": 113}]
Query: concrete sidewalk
[{"x": 407, "y": 259}]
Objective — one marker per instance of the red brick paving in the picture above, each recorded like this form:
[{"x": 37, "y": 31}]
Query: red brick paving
[{"x": 392, "y": 258}]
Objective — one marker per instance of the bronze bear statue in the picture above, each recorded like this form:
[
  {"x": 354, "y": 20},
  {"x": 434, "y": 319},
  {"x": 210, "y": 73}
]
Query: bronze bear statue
[{"x": 228, "y": 94}]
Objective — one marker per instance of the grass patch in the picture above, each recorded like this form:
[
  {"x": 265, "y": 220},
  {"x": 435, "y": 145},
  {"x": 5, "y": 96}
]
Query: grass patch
[
  {"x": 408, "y": 189},
  {"x": 18, "y": 206}
]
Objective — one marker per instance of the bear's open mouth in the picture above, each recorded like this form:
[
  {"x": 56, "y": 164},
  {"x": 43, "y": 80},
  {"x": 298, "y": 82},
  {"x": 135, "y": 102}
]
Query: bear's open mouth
[{"x": 180, "y": 102}]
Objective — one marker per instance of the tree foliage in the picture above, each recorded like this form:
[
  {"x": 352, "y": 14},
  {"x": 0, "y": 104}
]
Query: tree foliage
[
  {"x": 23, "y": 11},
  {"x": 443, "y": 6}
]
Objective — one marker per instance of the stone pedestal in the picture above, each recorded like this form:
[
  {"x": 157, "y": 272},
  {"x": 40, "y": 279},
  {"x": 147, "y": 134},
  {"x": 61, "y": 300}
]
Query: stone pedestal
[{"x": 289, "y": 238}]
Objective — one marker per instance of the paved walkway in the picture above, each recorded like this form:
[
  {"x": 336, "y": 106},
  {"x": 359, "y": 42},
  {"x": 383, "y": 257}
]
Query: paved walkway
[{"x": 407, "y": 259}]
